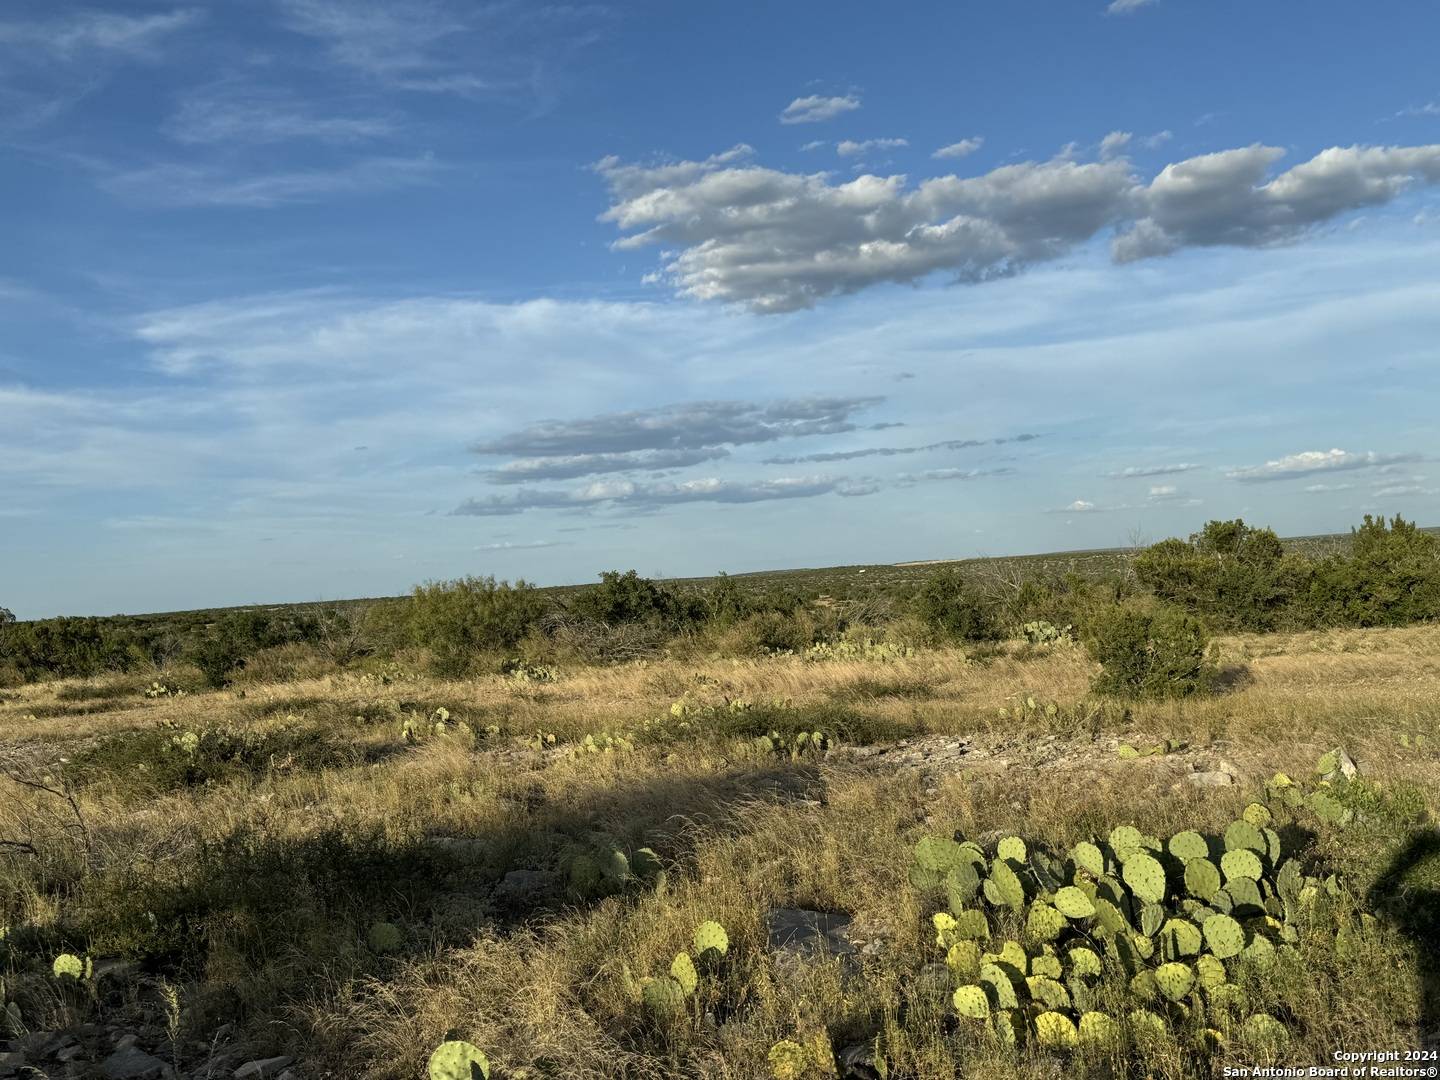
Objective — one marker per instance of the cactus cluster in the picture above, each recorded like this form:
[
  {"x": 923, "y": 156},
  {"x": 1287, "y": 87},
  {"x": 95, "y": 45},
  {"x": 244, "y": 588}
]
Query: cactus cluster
[
  {"x": 526, "y": 673},
  {"x": 70, "y": 966},
  {"x": 801, "y": 744},
  {"x": 1028, "y": 936},
  {"x": 599, "y": 869},
  {"x": 664, "y": 997},
  {"x": 605, "y": 742},
  {"x": 1041, "y": 632},
  {"x": 159, "y": 690},
  {"x": 878, "y": 652},
  {"x": 414, "y": 730},
  {"x": 1325, "y": 795}
]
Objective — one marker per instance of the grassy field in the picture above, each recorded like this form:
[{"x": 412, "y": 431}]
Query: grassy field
[{"x": 239, "y": 846}]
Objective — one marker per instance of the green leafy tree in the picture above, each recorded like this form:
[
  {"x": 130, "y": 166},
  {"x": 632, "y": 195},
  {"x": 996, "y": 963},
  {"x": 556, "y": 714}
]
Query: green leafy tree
[
  {"x": 1150, "y": 651},
  {"x": 458, "y": 621},
  {"x": 953, "y": 605}
]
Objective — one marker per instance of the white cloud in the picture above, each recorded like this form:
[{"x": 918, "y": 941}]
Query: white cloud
[
  {"x": 1310, "y": 462},
  {"x": 851, "y": 148},
  {"x": 963, "y": 148},
  {"x": 1430, "y": 108},
  {"x": 1138, "y": 471},
  {"x": 1323, "y": 489},
  {"x": 1112, "y": 144},
  {"x": 653, "y": 496},
  {"x": 1393, "y": 490},
  {"x": 778, "y": 241},
  {"x": 1163, "y": 491},
  {"x": 1124, "y": 7},
  {"x": 813, "y": 144},
  {"x": 1079, "y": 506},
  {"x": 814, "y": 109},
  {"x": 1159, "y": 139}
]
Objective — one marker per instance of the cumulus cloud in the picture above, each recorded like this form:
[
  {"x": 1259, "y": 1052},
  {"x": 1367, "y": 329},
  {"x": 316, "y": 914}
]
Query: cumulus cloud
[
  {"x": 1315, "y": 461},
  {"x": 776, "y": 241},
  {"x": 963, "y": 148},
  {"x": 1137, "y": 471},
  {"x": 654, "y": 496},
  {"x": 814, "y": 109},
  {"x": 892, "y": 451},
  {"x": 851, "y": 148}
]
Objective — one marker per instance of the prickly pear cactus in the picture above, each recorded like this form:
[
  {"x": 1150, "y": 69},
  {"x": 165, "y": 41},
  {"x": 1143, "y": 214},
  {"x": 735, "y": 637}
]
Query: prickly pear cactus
[
  {"x": 1098, "y": 1029},
  {"x": 1074, "y": 904},
  {"x": 710, "y": 938},
  {"x": 1224, "y": 936},
  {"x": 682, "y": 970},
  {"x": 663, "y": 997},
  {"x": 69, "y": 966},
  {"x": 1004, "y": 884},
  {"x": 457, "y": 1060},
  {"x": 1044, "y": 923},
  {"x": 1188, "y": 845},
  {"x": 1175, "y": 980},
  {"x": 788, "y": 1060},
  {"x": 1011, "y": 848},
  {"x": 1241, "y": 863},
  {"x": 1242, "y": 834},
  {"x": 1087, "y": 857},
  {"x": 971, "y": 1002},
  {"x": 1202, "y": 879},
  {"x": 1056, "y": 1030},
  {"x": 1145, "y": 876}
]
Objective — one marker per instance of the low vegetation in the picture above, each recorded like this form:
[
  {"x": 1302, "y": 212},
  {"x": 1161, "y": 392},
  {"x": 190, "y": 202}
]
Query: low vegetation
[{"x": 662, "y": 831}]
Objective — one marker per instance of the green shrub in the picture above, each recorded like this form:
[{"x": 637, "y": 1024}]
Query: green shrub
[
  {"x": 1391, "y": 577},
  {"x": 457, "y": 621},
  {"x": 1234, "y": 576},
  {"x": 1150, "y": 652},
  {"x": 949, "y": 602},
  {"x": 625, "y": 599}
]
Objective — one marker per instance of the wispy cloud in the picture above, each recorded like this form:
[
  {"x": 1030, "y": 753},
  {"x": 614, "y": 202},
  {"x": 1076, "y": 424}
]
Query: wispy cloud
[
  {"x": 229, "y": 114},
  {"x": 98, "y": 31},
  {"x": 1137, "y": 471},
  {"x": 851, "y": 148},
  {"x": 893, "y": 451},
  {"x": 1125, "y": 7},
  {"x": 1310, "y": 462},
  {"x": 963, "y": 148},
  {"x": 571, "y": 466},
  {"x": 654, "y": 496},
  {"x": 192, "y": 185},
  {"x": 814, "y": 109},
  {"x": 776, "y": 241}
]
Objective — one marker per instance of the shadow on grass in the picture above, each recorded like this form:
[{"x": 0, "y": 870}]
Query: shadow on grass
[{"x": 1408, "y": 893}]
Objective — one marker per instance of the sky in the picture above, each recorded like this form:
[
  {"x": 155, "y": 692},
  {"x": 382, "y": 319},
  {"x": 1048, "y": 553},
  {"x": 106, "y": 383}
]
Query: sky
[{"x": 312, "y": 299}]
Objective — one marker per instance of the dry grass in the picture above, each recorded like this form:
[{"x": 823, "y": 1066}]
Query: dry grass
[{"x": 542, "y": 988}]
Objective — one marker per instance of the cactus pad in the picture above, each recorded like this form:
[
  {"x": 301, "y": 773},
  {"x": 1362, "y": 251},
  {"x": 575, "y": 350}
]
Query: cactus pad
[
  {"x": 711, "y": 936},
  {"x": 1006, "y": 886},
  {"x": 1257, "y": 814},
  {"x": 1044, "y": 923},
  {"x": 1098, "y": 1029},
  {"x": 1144, "y": 986},
  {"x": 1145, "y": 1023},
  {"x": 1056, "y": 1031},
  {"x": 1242, "y": 834},
  {"x": 1084, "y": 963},
  {"x": 1011, "y": 848},
  {"x": 1202, "y": 879},
  {"x": 971, "y": 1002},
  {"x": 1086, "y": 856},
  {"x": 788, "y": 1060},
  {"x": 1047, "y": 964},
  {"x": 1124, "y": 840},
  {"x": 1108, "y": 917},
  {"x": 1074, "y": 904},
  {"x": 682, "y": 970},
  {"x": 1224, "y": 936},
  {"x": 70, "y": 966},
  {"x": 1048, "y": 992},
  {"x": 1181, "y": 937},
  {"x": 1145, "y": 876},
  {"x": 1260, "y": 953},
  {"x": 962, "y": 882},
  {"x": 1152, "y": 917},
  {"x": 1175, "y": 980},
  {"x": 938, "y": 853},
  {"x": 1002, "y": 990},
  {"x": 456, "y": 1060},
  {"x": 971, "y": 924},
  {"x": 963, "y": 958},
  {"x": 1242, "y": 863},
  {"x": 1209, "y": 972},
  {"x": 1188, "y": 845},
  {"x": 664, "y": 997},
  {"x": 1263, "y": 1033}
]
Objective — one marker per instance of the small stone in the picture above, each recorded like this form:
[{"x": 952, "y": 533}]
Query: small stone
[
  {"x": 132, "y": 1063},
  {"x": 124, "y": 1042},
  {"x": 1211, "y": 779},
  {"x": 262, "y": 1068},
  {"x": 521, "y": 888}
]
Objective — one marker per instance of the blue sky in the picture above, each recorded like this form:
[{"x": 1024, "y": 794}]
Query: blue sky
[{"x": 304, "y": 299}]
